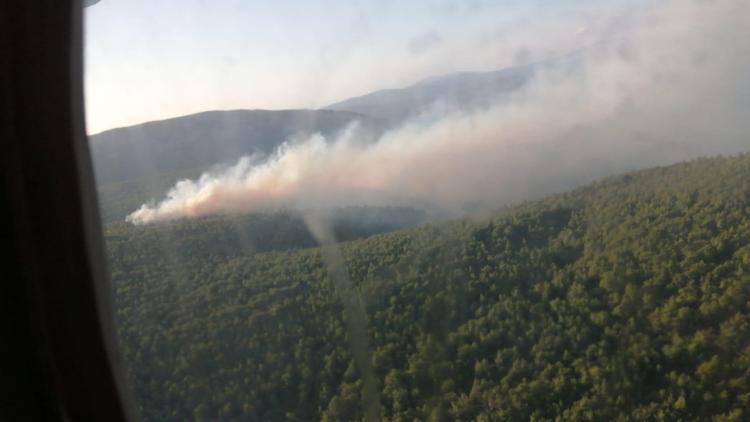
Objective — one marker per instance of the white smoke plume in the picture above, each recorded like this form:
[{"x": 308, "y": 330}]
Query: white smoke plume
[{"x": 665, "y": 83}]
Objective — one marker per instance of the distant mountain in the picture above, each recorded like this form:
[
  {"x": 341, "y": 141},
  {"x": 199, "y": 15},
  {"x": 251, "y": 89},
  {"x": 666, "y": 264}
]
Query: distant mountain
[
  {"x": 465, "y": 91},
  {"x": 202, "y": 140},
  {"x": 139, "y": 163}
]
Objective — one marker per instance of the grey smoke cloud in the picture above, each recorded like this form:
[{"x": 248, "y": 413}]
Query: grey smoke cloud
[
  {"x": 424, "y": 42},
  {"x": 667, "y": 83}
]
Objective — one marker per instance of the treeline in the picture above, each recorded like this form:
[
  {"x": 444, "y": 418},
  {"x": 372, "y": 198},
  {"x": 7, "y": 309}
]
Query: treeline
[
  {"x": 627, "y": 299},
  {"x": 220, "y": 238}
]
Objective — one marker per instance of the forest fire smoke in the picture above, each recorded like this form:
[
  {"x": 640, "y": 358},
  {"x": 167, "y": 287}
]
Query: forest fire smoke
[{"x": 655, "y": 90}]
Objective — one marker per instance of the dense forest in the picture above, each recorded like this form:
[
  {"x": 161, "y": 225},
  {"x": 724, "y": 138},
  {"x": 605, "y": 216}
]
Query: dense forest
[{"x": 623, "y": 300}]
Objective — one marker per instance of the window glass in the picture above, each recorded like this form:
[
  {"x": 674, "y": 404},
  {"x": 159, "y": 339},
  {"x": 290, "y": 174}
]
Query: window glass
[{"x": 426, "y": 210}]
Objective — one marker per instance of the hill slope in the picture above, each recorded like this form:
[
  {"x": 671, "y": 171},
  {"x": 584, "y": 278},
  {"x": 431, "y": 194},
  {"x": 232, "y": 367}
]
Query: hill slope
[
  {"x": 138, "y": 163},
  {"x": 205, "y": 139},
  {"x": 465, "y": 91},
  {"x": 625, "y": 298}
]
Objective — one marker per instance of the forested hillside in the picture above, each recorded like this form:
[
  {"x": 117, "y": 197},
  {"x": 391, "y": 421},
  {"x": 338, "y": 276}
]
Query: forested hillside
[{"x": 624, "y": 300}]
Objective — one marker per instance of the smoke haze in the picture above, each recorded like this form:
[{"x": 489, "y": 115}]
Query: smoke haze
[{"x": 663, "y": 83}]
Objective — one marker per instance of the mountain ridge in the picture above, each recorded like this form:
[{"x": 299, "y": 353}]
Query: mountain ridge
[{"x": 139, "y": 163}]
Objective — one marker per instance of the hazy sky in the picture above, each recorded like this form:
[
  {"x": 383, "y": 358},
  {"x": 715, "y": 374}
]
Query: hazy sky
[{"x": 147, "y": 60}]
